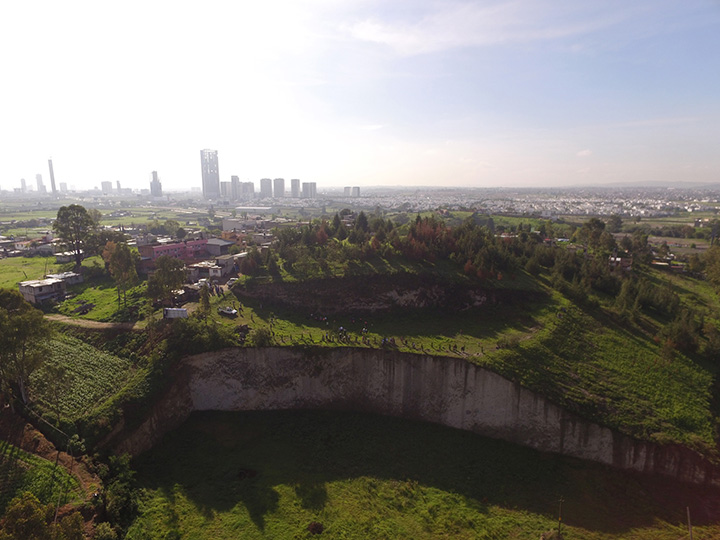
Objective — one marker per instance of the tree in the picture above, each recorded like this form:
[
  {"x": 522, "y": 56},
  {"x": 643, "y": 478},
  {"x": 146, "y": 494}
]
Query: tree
[
  {"x": 23, "y": 331},
  {"x": 26, "y": 518},
  {"x": 712, "y": 265},
  {"x": 95, "y": 215},
  {"x": 121, "y": 262},
  {"x": 171, "y": 227},
  {"x": 361, "y": 224},
  {"x": 98, "y": 238},
  {"x": 204, "y": 310},
  {"x": 169, "y": 275},
  {"x": 614, "y": 224},
  {"x": 73, "y": 225}
]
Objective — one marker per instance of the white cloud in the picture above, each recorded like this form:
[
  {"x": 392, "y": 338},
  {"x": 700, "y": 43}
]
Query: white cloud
[
  {"x": 584, "y": 153},
  {"x": 463, "y": 24}
]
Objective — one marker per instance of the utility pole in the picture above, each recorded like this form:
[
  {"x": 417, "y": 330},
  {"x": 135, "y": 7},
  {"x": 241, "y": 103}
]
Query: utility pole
[
  {"x": 562, "y": 500},
  {"x": 689, "y": 523}
]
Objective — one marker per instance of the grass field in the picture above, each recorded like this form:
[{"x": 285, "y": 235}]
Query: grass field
[
  {"x": 20, "y": 472},
  {"x": 271, "y": 474},
  {"x": 13, "y": 270}
]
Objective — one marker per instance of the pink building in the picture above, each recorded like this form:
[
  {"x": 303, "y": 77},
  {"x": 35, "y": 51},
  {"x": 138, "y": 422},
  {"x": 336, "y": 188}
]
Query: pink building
[{"x": 187, "y": 251}]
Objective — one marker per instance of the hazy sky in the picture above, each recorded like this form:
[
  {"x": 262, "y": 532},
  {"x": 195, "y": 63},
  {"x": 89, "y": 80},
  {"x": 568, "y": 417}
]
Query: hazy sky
[{"x": 477, "y": 93}]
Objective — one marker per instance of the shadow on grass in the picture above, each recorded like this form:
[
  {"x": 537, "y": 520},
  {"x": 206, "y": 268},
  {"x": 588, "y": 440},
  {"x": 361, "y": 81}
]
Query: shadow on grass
[
  {"x": 485, "y": 322},
  {"x": 223, "y": 460}
]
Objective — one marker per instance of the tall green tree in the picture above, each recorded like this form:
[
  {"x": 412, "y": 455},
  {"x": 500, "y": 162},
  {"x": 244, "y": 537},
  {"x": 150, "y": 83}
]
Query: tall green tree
[
  {"x": 23, "y": 332},
  {"x": 121, "y": 261},
  {"x": 169, "y": 275},
  {"x": 98, "y": 238},
  {"x": 74, "y": 225},
  {"x": 204, "y": 310},
  {"x": 361, "y": 223},
  {"x": 712, "y": 265}
]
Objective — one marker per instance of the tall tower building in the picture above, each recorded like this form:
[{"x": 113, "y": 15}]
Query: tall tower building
[
  {"x": 106, "y": 187},
  {"x": 247, "y": 191},
  {"x": 52, "y": 177},
  {"x": 234, "y": 188},
  {"x": 295, "y": 188},
  {"x": 40, "y": 185},
  {"x": 265, "y": 188},
  {"x": 279, "y": 187},
  {"x": 155, "y": 185},
  {"x": 309, "y": 190},
  {"x": 226, "y": 189},
  {"x": 23, "y": 185},
  {"x": 210, "y": 174}
]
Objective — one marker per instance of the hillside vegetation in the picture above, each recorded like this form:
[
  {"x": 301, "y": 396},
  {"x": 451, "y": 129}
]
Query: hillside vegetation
[{"x": 630, "y": 345}]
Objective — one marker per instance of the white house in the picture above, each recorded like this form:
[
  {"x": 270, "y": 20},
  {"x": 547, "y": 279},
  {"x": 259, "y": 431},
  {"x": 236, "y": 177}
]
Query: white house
[{"x": 39, "y": 290}]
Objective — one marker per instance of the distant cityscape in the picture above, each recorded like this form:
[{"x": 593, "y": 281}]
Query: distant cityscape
[
  {"x": 213, "y": 189},
  {"x": 272, "y": 194}
]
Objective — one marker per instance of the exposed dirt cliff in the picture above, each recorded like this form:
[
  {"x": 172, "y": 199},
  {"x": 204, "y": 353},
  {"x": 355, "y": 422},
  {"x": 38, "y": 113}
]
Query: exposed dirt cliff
[{"x": 447, "y": 391}]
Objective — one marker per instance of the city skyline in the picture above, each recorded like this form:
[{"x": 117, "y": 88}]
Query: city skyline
[{"x": 474, "y": 94}]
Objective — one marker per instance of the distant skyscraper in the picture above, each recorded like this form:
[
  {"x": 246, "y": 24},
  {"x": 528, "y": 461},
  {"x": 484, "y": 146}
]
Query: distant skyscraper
[
  {"x": 210, "y": 174},
  {"x": 23, "y": 185},
  {"x": 355, "y": 191},
  {"x": 265, "y": 188},
  {"x": 225, "y": 189},
  {"x": 309, "y": 190},
  {"x": 40, "y": 185},
  {"x": 106, "y": 187},
  {"x": 247, "y": 191},
  {"x": 52, "y": 177},
  {"x": 279, "y": 187},
  {"x": 234, "y": 188},
  {"x": 347, "y": 191},
  {"x": 295, "y": 188},
  {"x": 117, "y": 182},
  {"x": 155, "y": 185},
  {"x": 63, "y": 187}
]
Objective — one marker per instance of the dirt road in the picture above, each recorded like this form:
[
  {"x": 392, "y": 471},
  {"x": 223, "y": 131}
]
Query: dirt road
[{"x": 92, "y": 324}]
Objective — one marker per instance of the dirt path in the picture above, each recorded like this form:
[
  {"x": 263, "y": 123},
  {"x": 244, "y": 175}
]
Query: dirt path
[{"x": 92, "y": 324}]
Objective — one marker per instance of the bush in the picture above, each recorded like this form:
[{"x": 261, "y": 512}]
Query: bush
[
  {"x": 194, "y": 336},
  {"x": 120, "y": 494},
  {"x": 104, "y": 531},
  {"x": 260, "y": 337}
]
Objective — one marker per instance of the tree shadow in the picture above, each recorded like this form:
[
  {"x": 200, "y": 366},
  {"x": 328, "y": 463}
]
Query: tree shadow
[{"x": 257, "y": 453}]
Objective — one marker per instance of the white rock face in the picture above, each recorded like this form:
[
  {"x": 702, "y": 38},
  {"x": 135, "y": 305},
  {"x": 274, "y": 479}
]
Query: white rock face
[{"x": 447, "y": 391}]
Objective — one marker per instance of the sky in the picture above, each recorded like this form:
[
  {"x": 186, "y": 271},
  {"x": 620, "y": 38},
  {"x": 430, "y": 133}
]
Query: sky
[{"x": 506, "y": 93}]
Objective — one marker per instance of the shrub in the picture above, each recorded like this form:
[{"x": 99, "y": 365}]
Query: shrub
[{"x": 260, "y": 337}]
